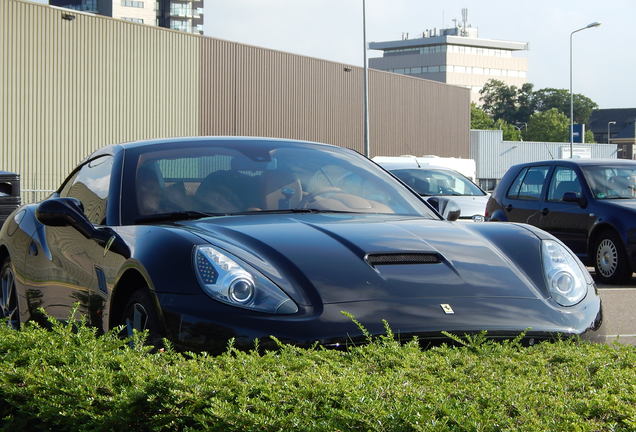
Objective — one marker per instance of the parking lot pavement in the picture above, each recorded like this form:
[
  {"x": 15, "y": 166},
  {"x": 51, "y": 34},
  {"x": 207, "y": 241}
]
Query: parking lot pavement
[{"x": 619, "y": 312}]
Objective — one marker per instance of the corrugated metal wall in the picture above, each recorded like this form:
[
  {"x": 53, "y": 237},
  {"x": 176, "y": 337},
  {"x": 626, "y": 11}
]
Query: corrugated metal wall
[
  {"x": 70, "y": 87},
  {"x": 493, "y": 156},
  {"x": 417, "y": 117}
]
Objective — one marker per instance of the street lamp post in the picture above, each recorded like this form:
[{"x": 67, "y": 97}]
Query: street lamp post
[
  {"x": 367, "y": 148},
  {"x": 520, "y": 127},
  {"x": 608, "y": 130},
  {"x": 594, "y": 24}
]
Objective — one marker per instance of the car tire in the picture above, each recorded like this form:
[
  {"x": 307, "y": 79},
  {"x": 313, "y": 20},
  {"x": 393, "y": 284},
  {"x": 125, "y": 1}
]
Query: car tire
[
  {"x": 8, "y": 296},
  {"x": 610, "y": 259},
  {"x": 140, "y": 314}
]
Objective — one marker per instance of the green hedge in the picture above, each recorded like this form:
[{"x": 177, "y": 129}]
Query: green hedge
[{"x": 68, "y": 378}]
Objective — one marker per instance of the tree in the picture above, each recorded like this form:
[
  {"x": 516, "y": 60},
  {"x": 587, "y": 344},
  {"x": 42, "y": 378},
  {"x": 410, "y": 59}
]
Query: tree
[
  {"x": 516, "y": 105},
  {"x": 509, "y": 103},
  {"x": 479, "y": 119},
  {"x": 549, "y": 126},
  {"x": 548, "y": 98},
  {"x": 510, "y": 132}
]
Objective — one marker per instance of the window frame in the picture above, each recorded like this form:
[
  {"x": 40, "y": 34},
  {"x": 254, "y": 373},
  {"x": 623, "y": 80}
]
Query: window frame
[
  {"x": 553, "y": 177},
  {"x": 62, "y": 192},
  {"x": 525, "y": 170}
]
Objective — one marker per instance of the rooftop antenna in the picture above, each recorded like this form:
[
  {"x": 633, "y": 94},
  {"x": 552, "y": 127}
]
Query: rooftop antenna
[{"x": 465, "y": 20}]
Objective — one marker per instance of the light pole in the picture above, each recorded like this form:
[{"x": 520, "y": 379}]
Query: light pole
[
  {"x": 608, "y": 130},
  {"x": 594, "y": 24},
  {"x": 367, "y": 148},
  {"x": 519, "y": 129}
]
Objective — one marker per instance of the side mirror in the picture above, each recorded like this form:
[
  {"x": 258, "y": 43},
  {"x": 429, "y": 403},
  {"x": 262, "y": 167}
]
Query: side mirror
[
  {"x": 65, "y": 212},
  {"x": 574, "y": 198},
  {"x": 446, "y": 207}
]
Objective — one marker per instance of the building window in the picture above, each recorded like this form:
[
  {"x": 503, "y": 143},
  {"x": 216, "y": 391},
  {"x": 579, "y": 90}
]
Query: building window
[
  {"x": 83, "y": 5},
  {"x": 135, "y": 20},
  {"x": 132, "y": 3},
  {"x": 488, "y": 184},
  {"x": 185, "y": 26},
  {"x": 181, "y": 10}
]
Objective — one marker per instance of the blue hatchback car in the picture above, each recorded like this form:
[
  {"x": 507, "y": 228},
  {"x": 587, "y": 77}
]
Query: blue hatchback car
[{"x": 590, "y": 205}]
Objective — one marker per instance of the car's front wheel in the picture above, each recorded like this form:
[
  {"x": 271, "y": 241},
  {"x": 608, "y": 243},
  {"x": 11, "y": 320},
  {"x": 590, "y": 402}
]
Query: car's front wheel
[
  {"x": 610, "y": 259},
  {"x": 140, "y": 314},
  {"x": 8, "y": 297}
]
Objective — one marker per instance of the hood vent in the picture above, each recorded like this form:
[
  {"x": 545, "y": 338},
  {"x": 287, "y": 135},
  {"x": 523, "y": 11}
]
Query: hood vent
[{"x": 403, "y": 259}]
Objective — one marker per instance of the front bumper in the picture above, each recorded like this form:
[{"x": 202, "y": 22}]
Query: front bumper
[{"x": 196, "y": 322}]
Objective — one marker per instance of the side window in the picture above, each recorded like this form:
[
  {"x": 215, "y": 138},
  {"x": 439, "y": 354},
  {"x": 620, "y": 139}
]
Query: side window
[
  {"x": 90, "y": 185},
  {"x": 513, "y": 192},
  {"x": 530, "y": 185},
  {"x": 563, "y": 180}
]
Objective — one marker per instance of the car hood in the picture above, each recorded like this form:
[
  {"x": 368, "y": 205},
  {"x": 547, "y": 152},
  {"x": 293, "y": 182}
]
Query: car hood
[
  {"x": 330, "y": 254},
  {"x": 629, "y": 204},
  {"x": 469, "y": 205}
]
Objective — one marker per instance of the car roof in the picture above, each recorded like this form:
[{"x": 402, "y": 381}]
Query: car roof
[
  {"x": 580, "y": 162},
  {"x": 424, "y": 167},
  {"x": 212, "y": 139},
  {"x": 114, "y": 148}
]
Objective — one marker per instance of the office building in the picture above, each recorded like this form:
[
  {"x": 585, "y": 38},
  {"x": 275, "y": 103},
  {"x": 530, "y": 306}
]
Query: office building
[
  {"x": 182, "y": 15},
  {"x": 455, "y": 56}
]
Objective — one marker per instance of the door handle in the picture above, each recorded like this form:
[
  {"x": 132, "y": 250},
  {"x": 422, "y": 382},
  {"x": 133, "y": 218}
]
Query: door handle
[
  {"x": 545, "y": 211},
  {"x": 508, "y": 207}
]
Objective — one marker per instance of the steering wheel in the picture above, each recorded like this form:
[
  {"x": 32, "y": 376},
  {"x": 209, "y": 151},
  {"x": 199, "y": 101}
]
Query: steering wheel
[{"x": 313, "y": 195}]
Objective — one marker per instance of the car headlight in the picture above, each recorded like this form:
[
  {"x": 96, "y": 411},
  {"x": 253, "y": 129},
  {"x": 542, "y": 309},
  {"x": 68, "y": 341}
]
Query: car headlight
[
  {"x": 564, "y": 276},
  {"x": 224, "y": 279}
]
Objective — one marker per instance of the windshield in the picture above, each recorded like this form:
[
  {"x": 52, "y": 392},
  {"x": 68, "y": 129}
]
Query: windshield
[
  {"x": 429, "y": 182},
  {"x": 611, "y": 182},
  {"x": 238, "y": 177}
]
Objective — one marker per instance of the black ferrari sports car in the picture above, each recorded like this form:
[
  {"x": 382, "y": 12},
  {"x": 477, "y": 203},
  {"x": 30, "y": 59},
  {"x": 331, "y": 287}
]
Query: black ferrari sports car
[{"x": 201, "y": 240}]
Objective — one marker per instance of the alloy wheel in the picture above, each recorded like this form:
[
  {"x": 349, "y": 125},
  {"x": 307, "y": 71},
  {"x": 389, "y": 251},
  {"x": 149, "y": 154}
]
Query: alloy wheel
[
  {"x": 607, "y": 257},
  {"x": 8, "y": 298}
]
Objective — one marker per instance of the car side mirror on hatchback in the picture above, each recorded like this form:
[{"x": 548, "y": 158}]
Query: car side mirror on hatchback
[
  {"x": 573, "y": 197},
  {"x": 65, "y": 212}
]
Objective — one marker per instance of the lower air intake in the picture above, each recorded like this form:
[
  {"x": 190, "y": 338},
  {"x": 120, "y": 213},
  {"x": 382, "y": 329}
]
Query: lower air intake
[{"x": 402, "y": 259}]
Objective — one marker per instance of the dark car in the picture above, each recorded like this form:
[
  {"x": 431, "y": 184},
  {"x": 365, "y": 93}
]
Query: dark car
[
  {"x": 206, "y": 239},
  {"x": 590, "y": 205}
]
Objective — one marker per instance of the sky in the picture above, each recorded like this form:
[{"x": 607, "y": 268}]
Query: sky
[{"x": 604, "y": 58}]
